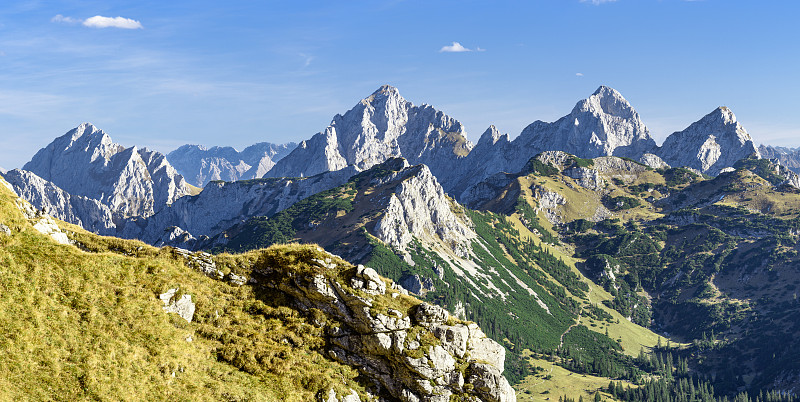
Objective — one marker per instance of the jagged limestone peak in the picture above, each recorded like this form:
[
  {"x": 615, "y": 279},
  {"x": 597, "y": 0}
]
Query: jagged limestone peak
[
  {"x": 85, "y": 129},
  {"x": 386, "y": 94},
  {"x": 386, "y": 90},
  {"x": 604, "y": 124},
  {"x": 723, "y": 118},
  {"x": 378, "y": 127},
  {"x": 491, "y": 136},
  {"x": 86, "y": 162},
  {"x": 713, "y": 143},
  {"x": 86, "y": 137},
  {"x": 606, "y": 100}
]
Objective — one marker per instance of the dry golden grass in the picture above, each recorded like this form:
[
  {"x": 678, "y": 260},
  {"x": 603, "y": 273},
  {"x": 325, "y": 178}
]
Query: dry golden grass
[{"x": 78, "y": 325}]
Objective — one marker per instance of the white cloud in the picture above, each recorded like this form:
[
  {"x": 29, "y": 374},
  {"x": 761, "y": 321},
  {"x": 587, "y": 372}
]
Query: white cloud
[
  {"x": 66, "y": 20},
  {"x": 454, "y": 48},
  {"x": 597, "y": 2},
  {"x": 99, "y": 21},
  {"x": 307, "y": 59},
  {"x": 579, "y": 74}
]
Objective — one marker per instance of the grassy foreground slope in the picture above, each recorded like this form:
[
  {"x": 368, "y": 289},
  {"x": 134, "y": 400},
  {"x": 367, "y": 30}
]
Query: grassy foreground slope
[{"x": 78, "y": 325}]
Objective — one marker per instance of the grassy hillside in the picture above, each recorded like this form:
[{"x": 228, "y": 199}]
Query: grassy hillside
[
  {"x": 78, "y": 325},
  {"x": 552, "y": 382}
]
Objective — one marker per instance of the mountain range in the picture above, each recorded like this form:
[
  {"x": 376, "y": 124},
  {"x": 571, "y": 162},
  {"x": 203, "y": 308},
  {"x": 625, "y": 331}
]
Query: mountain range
[
  {"x": 201, "y": 165},
  {"x": 788, "y": 157},
  {"x": 580, "y": 243}
]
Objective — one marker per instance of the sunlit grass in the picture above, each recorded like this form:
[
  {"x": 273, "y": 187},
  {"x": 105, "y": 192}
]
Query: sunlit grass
[{"x": 78, "y": 325}]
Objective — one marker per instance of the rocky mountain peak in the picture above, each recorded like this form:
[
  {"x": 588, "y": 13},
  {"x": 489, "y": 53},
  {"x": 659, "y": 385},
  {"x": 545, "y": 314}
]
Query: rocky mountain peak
[
  {"x": 386, "y": 90},
  {"x": 384, "y": 99},
  {"x": 609, "y": 101},
  {"x": 86, "y": 162},
  {"x": 721, "y": 117},
  {"x": 381, "y": 126},
  {"x": 85, "y": 129},
  {"x": 726, "y": 113},
  {"x": 87, "y": 138},
  {"x": 604, "y": 124},
  {"x": 491, "y": 136},
  {"x": 419, "y": 209},
  {"x": 710, "y": 144}
]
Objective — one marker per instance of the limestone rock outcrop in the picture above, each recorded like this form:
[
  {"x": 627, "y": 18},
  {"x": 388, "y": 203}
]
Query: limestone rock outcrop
[
  {"x": 419, "y": 209},
  {"x": 653, "y": 161},
  {"x": 413, "y": 354},
  {"x": 182, "y": 306},
  {"x": 47, "y": 226}
]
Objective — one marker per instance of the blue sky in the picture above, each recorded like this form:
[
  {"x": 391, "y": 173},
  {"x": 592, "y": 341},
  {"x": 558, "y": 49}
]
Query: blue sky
[{"x": 234, "y": 73}]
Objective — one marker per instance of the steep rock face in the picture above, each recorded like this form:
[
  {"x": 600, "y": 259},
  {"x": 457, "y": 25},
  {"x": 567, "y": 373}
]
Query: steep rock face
[
  {"x": 792, "y": 178},
  {"x": 413, "y": 355},
  {"x": 604, "y": 124},
  {"x": 788, "y": 157},
  {"x": 223, "y": 204},
  {"x": 709, "y": 145},
  {"x": 399, "y": 205},
  {"x": 418, "y": 208},
  {"x": 480, "y": 193},
  {"x": 493, "y": 153},
  {"x": 200, "y": 165},
  {"x": 381, "y": 126},
  {"x": 44, "y": 195},
  {"x": 131, "y": 182}
]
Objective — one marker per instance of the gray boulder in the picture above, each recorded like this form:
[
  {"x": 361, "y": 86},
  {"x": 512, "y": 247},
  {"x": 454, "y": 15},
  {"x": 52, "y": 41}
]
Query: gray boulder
[
  {"x": 182, "y": 306},
  {"x": 427, "y": 314}
]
